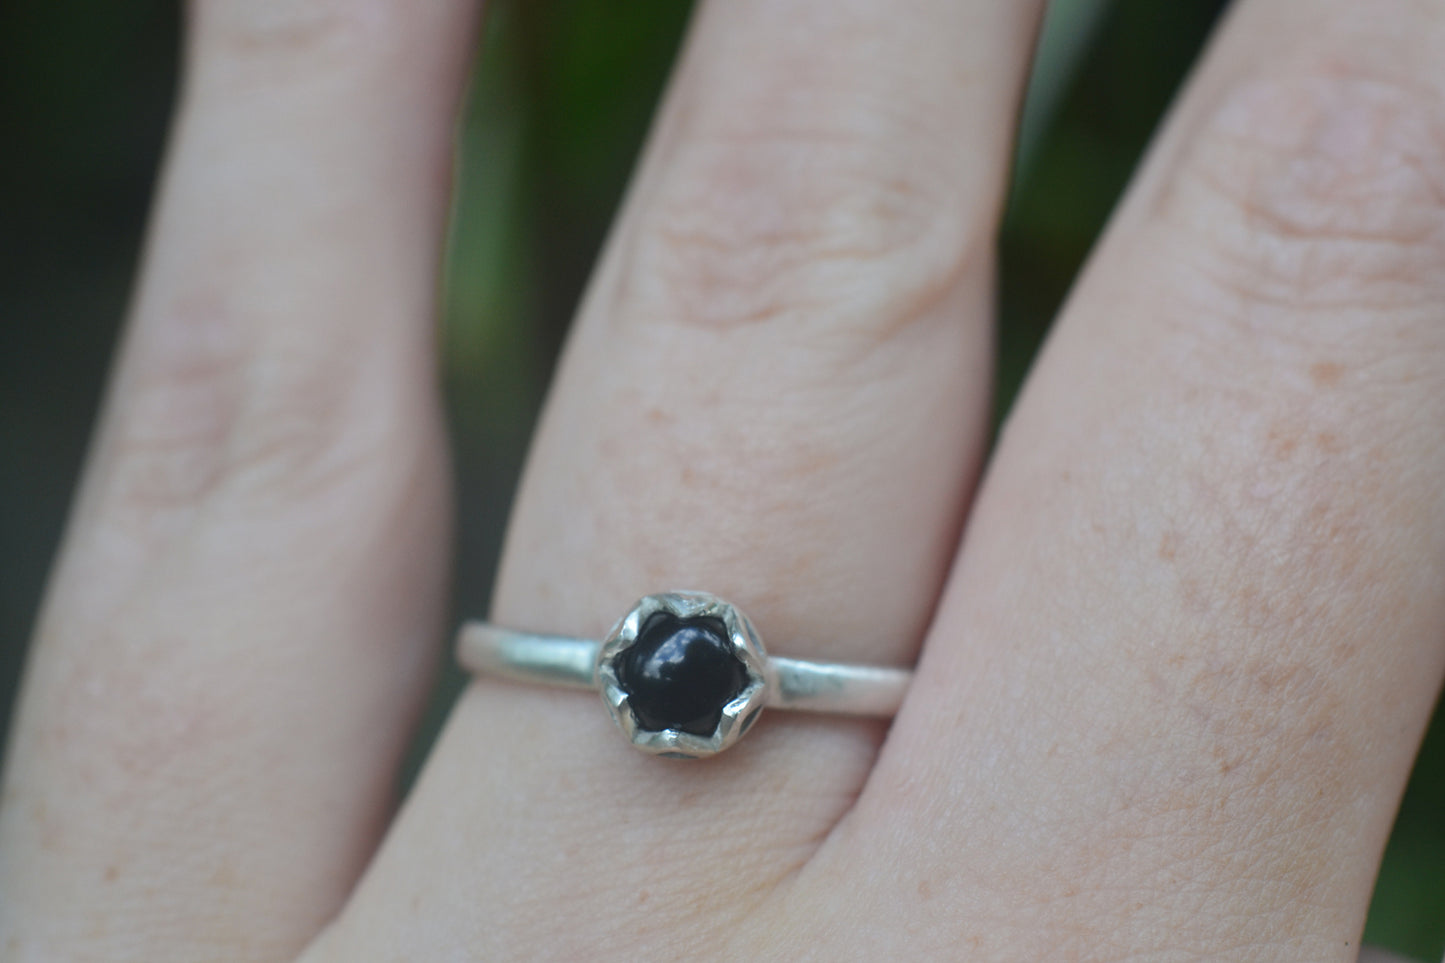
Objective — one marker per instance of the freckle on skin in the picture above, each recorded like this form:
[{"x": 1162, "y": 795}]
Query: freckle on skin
[
  {"x": 1169, "y": 546},
  {"x": 111, "y": 874},
  {"x": 1326, "y": 374},
  {"x": 45, "y": 827},
  {"x": 1281, "y": 442},
  {"x": 1192, "y": 596}
]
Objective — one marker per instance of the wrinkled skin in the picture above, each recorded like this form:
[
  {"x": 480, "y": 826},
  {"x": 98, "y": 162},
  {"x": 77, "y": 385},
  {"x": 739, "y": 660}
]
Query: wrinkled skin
[{"x": 1176, "y": 645}]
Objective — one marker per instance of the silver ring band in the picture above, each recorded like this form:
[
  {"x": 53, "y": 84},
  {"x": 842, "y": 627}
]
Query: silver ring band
[
  {"x": 836, "y": 687},
  {"x": 676, "y": 639}
]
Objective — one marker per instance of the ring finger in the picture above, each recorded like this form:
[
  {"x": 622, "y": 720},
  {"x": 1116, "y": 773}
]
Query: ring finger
[{"x": 776, "y": 390}]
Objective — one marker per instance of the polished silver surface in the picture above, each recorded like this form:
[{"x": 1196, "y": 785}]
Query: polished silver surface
[
  {"x": 842, "y": 688},
  {"x": 780, "y": 683},
  {"x": 524, "y": 657}
]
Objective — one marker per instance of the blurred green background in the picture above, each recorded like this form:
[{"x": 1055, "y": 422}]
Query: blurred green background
[{"x": 561, "y": 100}]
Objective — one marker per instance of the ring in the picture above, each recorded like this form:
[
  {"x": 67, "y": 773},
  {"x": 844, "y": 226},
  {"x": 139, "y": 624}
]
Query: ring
[{"x": 684, "y": 674}]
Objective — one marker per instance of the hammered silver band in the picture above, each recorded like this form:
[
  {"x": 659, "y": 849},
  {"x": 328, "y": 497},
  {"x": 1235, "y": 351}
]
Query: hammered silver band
[
  {"x": 682, "y": 674},
  {"x": 834, "y": 687}
]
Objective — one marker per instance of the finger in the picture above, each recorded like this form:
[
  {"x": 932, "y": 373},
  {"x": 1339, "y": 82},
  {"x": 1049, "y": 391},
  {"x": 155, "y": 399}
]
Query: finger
[
  {"x": 239, "y": 627},
  {"x": 1177, "y": 682},
  {"x": 776, "y": 391}
]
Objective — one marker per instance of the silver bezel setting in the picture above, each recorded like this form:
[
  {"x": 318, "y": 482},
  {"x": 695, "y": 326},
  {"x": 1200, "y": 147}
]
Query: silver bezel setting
[{"x": 737, "y": 716}]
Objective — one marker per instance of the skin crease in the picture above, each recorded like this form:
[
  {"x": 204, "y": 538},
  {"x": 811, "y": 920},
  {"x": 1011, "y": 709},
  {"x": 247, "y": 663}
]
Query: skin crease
[{"x": 1176, "y": 656}]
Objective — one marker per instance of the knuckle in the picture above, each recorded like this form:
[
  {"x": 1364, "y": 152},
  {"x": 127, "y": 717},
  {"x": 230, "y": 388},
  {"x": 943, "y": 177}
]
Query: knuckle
[
  {"x": 793, "y": 225},
  {"x": 209, "y": 421},
  {"x": 304, "y": 435},
  {"x": 1317, "y": 186},
  {"x": 165, "y": 452}
]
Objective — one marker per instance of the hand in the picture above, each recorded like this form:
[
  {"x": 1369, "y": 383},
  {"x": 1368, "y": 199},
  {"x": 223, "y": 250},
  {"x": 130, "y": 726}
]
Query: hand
[{"x": 1170, "y": 681}]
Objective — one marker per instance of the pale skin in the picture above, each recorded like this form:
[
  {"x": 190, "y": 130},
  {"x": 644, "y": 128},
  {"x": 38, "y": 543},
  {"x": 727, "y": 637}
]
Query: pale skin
[{"x": 1176, "y": 645}]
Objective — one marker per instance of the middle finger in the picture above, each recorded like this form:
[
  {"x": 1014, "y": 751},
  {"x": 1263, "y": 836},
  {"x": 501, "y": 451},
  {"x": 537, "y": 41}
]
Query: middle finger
[{"x": 1189, "y": 648}]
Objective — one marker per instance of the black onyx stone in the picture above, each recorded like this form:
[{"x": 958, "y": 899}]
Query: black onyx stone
[{"x": 680, "y": 673}]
